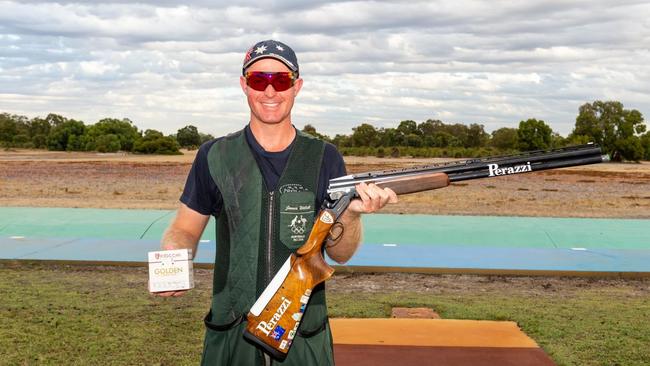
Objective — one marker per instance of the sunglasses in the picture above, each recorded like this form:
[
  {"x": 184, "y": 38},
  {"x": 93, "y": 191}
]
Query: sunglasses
[{"x": 259, "y": 80}]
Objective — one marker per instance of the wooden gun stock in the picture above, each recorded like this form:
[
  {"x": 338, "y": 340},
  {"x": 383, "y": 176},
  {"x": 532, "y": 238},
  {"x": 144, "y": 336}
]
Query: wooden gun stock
[{"x": 274, "y": 318}]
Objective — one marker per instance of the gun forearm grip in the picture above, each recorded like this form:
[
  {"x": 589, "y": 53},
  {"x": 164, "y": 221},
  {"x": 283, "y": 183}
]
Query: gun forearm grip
[{"x": 419, "y": 183}]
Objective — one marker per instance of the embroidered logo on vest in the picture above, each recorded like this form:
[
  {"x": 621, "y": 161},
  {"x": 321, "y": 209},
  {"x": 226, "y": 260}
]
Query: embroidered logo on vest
[{"x": 298, "y": 225}]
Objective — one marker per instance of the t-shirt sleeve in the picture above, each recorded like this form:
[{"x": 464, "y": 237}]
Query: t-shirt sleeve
[
  {"x": 201, "y": 193},
  {"x": 333, "y": 167}
]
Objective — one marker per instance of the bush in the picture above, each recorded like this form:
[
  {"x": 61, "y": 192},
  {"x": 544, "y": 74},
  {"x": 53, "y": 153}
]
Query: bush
[
  {"x": 154, "y": 142},
  {"x": 20, "y": 140}
]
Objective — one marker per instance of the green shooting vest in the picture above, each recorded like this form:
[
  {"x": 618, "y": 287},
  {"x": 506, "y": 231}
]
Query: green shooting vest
[{"x": 257, "y": 230}]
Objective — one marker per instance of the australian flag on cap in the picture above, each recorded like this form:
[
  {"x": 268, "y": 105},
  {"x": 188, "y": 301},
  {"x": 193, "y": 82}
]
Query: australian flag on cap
[{"x": 271, "y": 49}]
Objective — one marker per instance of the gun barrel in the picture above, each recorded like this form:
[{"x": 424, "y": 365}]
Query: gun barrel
[{"x": 480, "y": 168}]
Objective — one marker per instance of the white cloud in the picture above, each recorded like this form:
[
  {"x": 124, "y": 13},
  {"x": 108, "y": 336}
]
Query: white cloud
[{"x": 165, "y": 63}]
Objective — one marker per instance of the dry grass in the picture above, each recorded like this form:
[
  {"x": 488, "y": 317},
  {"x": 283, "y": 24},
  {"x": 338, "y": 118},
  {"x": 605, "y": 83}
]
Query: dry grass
[{"x": 77, "y": 315}]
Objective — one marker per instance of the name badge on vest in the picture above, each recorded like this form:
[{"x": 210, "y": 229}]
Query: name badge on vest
[{"x": 296, "y": 214}]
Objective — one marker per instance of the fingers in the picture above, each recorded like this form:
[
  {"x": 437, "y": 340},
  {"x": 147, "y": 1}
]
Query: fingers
[
  {"x": 169, "y": 293},
  {"x": 392, "y": 196},
  {"x": 373, "y": 198},
  {"x": 164, "y": 294}
]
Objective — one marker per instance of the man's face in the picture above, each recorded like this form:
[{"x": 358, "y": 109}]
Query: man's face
[{"x": 270, "y": 106}]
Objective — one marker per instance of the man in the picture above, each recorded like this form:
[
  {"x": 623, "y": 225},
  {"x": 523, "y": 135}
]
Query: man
[{"x": 248, "y": 180}]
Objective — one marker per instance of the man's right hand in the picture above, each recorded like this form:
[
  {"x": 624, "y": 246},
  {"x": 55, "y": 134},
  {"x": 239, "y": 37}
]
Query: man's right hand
[{"x": 184, "y": 232}]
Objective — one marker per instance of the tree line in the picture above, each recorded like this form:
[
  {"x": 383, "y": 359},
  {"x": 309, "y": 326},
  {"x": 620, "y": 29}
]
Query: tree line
[
  {"x": 55, "y": 132},
  {"x": 621, "y": 133}
]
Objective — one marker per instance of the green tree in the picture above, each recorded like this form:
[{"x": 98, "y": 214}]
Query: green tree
[
  {"x": 534, "y": 134},
  {"x": 108, "y": 143},
  {"x": 312, "y": 131},
  {"x": 8, "y": 129},
  {"x": 387, "y": 137},
  {"x": 505, "y": 138},
  {"x": 558, "y": 141},
  {"x": 610, "y": 125},
  {"x": 124, "y": 130},
  {"x": 21, "y": 140},
  {"x": 460, "y": 132},
  {"x": 342, "y": 140},
  {"x": 405, "y": 129},
  {"x": 446, "y": 139},
  {"x": 408, "y": 127},
  {"x": 14, "y": 130},
  {"x": 188, "y": 137},
  {"x": 630, "y": 148},
  {"x": 645, "y": 143},
  {"x": 205, "y": 137},
  {"x": 476, "y": 136},
  {"x": 65, "y": 134},
  {"x": 39, "y": 129},
  {"x": 365, "y": 135},
  {"x": 414, "y": 140},
  {"x": 55, "y": 119},
  {"x": 154, "y": 142},
  {"x": 430, "y": 127}
]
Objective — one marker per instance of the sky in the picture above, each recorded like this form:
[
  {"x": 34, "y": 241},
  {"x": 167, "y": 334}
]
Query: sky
[{"x": 166, "y": 64}]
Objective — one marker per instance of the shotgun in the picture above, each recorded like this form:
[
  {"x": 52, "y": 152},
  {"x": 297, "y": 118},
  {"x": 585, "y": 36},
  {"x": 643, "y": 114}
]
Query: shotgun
[{"x": 274, "y": 318}]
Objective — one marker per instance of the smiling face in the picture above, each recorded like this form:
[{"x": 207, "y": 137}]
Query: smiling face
[{"x": 270, "y": 106}]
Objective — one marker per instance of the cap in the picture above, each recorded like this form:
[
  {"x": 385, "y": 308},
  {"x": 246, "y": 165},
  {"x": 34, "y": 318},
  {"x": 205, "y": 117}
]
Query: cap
[{"x": 271, "y": 49}]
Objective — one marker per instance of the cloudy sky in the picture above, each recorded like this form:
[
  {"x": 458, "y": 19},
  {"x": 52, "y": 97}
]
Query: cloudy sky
[{"x": 166, "y": 64}]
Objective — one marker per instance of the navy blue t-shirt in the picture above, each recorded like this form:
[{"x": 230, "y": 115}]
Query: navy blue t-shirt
[{"x": 202, "y": 195}]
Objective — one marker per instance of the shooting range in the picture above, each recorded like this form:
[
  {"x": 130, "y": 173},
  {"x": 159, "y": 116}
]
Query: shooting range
[{"x": 514, "y": 134}]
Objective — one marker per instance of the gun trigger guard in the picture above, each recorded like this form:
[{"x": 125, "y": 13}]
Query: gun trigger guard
[{"x": 333, "y": 238}]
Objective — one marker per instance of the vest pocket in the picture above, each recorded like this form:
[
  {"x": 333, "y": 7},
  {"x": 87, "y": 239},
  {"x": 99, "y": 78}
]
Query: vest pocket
[{"x": 297, "y": 211}]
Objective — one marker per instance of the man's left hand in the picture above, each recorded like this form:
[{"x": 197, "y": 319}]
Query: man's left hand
[{"x": 371, "y": 198}]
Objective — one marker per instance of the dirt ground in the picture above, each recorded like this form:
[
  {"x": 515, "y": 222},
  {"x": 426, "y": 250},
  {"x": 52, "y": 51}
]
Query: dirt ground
[{"x": 62, "y": 179}]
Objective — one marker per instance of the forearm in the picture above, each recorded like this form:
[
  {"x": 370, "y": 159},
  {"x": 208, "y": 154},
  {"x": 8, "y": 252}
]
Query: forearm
[
  {"x": 174, "y": 238},
  {"x": 344, "y": 247}
]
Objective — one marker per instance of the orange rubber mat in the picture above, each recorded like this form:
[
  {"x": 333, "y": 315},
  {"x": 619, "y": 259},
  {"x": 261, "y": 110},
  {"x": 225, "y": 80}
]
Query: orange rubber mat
[{"x": 404, "y": 342}]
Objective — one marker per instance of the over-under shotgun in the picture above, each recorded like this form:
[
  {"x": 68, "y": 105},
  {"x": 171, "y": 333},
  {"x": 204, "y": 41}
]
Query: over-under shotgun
[{"x": 274, "y": 319}]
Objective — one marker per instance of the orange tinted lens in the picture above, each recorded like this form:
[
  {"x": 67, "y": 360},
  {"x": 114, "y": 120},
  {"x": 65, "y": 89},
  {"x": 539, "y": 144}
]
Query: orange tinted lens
[
  {"x": 258, "y": 80},
  {"x": 281, "y": 81}
]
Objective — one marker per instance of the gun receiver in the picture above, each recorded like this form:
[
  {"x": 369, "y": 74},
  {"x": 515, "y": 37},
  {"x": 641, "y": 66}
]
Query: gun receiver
[{"x": 274, "y": 319}]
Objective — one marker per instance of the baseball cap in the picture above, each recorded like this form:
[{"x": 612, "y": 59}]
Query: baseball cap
[{"x": 271, "y": 49}]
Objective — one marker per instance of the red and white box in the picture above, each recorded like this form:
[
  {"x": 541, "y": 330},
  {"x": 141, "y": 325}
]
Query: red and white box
[{"x": 171, "y": 270}]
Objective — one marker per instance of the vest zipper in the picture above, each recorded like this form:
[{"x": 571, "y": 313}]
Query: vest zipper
[{"x": 269, "y": 239}]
